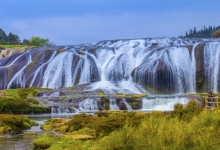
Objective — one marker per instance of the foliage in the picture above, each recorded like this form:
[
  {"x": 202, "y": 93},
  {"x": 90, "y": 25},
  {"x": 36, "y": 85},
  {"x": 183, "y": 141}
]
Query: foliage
[
  {"x": 42, "y": 142},
  {"x": 39, "y": 41},
  {"x": 187, "y": 113},
  {"x": 14, "y": 40},
  {"x": 206, "y": 32},
  {"x": 161, "y": 133},
  {"x": 156, "y": 130},
  {"x": 12, "y": 122},
  {"x": 3, "y": 36},
  {"x": 19, "y": 101},
  {"x": 216, "y": 33},
  {"x": 10, "y": 38},
  {"x": 15, "y": 46}
]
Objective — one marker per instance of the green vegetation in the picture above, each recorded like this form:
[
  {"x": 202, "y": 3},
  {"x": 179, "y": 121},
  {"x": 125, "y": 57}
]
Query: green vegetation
[
  {"x": 12, "y": 40},
  {"x": 206, "y": 32},
  {"x": 19, "y": 101},
  {"x": 39, "y": 41},
  {"x": 13, "y": 122},
  {"x": 15, "y": 46},
  {"x": 186, "y": 127},
  {"x": 216, "y": 33}
]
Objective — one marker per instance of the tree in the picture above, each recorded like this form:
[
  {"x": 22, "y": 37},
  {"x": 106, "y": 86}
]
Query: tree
[
  {"x": 39, "y": 41},
  {"x": 26, "y": 42},
  {"x": 3, "y": 36},
  {"x": 216, "y": 34},
  {"x": 13, "y": 38}
]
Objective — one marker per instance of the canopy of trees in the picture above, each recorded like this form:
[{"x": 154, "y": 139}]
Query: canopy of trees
[
  {"x": 10, "y": 38},
  {"x": 39, "y": 41},
  {"x": 14, "y": 39},
  {"x": 206, "y": 32}
]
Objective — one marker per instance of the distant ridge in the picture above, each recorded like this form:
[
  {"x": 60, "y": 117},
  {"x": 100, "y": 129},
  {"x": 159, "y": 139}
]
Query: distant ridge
[{"x": 205, "y": 32}]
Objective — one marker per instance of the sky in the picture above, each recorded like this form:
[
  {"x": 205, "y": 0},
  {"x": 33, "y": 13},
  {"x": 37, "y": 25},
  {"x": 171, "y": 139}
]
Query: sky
[{"x": 69, "y": 22}]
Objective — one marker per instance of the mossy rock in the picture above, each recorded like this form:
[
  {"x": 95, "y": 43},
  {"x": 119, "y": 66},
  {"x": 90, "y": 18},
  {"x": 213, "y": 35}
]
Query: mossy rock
[
  {"x": 43, "y": 142},
  {"x": 29, "y": 133},
  {"x": 14, "y": 122},
  {"x": 101, "y": 94}
]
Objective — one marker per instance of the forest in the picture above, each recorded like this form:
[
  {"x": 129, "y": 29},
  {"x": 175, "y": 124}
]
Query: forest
[
  {"x": 12, "y": 38},
  {"x": 205, "y": 32}
]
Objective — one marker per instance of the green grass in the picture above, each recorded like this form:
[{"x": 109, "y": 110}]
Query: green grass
[
  {"x": 19, "y": 101},
  {"x": 185, "y": 128},
  {"x": 15, "y": 46},
  {"x": 10, "y": 122}
]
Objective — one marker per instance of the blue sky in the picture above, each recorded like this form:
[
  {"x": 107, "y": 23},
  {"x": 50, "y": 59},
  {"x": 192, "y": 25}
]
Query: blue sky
[{"x": 90, "y": 21}]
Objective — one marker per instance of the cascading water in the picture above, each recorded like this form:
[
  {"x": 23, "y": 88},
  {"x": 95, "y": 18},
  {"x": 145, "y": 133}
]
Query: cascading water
[
  {"x": 123, "y": 101},
  {"x": 162, "y": 103},
  {"x": 113, "y": 104},
  {"x": 159, "y": 65},
  {"x": 211, "y": 62},
  {"x": 88, "y": 105}
]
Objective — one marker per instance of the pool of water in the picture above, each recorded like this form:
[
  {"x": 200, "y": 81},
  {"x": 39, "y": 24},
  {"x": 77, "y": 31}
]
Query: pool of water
[{"x": 24, "y": 142}]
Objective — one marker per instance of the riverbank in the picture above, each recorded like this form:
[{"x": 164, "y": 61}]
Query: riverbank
[
  {"x": 184, "y": 128},
  {"x": 12, "y": 123}
]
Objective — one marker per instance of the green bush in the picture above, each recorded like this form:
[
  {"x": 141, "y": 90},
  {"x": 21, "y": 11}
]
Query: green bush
[
  {"x": 33, "y": 101},
  {"x": 42, "y": 142},
  {"x": 18, "y": 101},
  {"x": 190, "y": 110},
  {"x": 216, "y": 34},
  {"x": 12, "y": 122}
]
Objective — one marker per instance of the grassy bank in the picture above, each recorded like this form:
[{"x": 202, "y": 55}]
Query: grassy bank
[
  {"x": 19, "y": 101},
  {"x": 186, "y": 128},
  {"x": 10, "y": 123}
]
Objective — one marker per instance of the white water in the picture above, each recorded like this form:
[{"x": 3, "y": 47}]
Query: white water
[
  {"x": 88, "y": 104},
  {"x": 18, "y": 78},
  {"x": 123, "y": 66},
  {"x": 109, "y": 65},
  {"x": 39, "y": 70},
  {"x": 59, "y": 109},
  {"x": 113, "y": 104},
  {"x": 211, "y": 62},
  {"x": 162, "y": 103},
  {"x": 126, "y": 104}
]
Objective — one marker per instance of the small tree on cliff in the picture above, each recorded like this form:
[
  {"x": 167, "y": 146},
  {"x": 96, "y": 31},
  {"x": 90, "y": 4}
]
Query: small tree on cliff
[
  {"x": 39, "y": 41},
  {"x": 216, "y": 34}
]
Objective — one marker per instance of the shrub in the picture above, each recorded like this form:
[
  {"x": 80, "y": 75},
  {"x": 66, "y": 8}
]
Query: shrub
[
  {"x": 216, "y": 34},
  {"x": 190, "y": 110},
  {"x": 12, "y": 122},
  {"x": 43, "y": 142}
]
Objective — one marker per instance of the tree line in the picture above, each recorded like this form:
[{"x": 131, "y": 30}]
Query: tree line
[
  {"x": 205, "y": 32},
  {"x": 12, "y": 38}
]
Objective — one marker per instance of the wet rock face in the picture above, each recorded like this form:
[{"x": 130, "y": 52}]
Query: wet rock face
[
  {"x": 75, "y": 100},
  {"x": 201, "y": 80},
  {"x": 160, "y": 65}
]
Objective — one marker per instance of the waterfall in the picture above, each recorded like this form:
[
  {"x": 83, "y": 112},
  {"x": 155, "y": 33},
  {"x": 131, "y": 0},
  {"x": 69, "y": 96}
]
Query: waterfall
[
  {"x": 193, "y": 59},
  {"x": 59, "y": 109},
  {"x": 152, "y": 65},
  {"x": 123, "y": 101},
  {"x": 19, "y": 78},
  {"x": 162, "y": 103},
  {"x": 38, "y": 72},
  {"x": 211, "y": 64},
  {"x": 169, "y": 67},
  {"x": 88, "y": 105},
  {"x": 113, "y": 104}
]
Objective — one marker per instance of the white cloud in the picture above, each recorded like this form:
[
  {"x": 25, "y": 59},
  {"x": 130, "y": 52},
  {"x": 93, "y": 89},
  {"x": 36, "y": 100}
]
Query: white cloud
[{"x": 93, "y": 28}]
